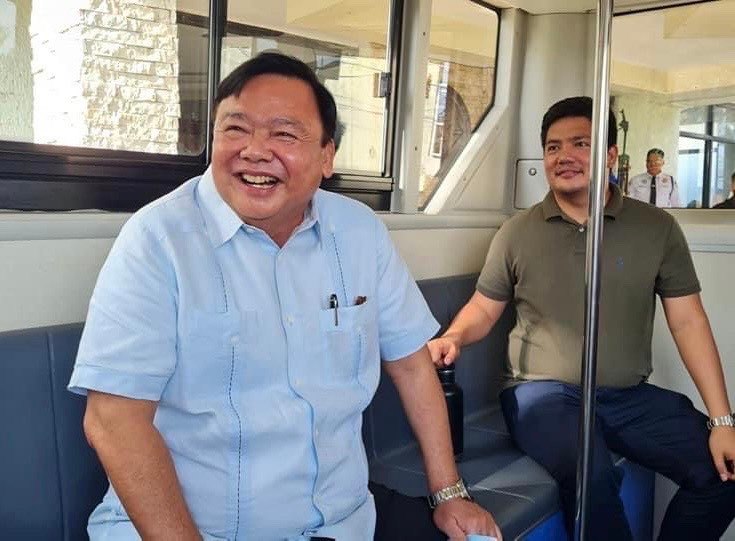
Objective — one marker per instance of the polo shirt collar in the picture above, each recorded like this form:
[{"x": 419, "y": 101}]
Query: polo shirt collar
[
  {"x": 551, "y": 208},
  {"x": 222, "y": 222}
]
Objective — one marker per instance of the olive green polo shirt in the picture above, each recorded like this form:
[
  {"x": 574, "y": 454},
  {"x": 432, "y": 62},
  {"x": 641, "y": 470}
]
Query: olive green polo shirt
[{"x": 537, "y": 260}]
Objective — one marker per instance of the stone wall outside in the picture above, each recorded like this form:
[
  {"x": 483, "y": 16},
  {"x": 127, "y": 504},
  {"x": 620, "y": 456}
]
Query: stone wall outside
[{"x": 105, "y": 74}]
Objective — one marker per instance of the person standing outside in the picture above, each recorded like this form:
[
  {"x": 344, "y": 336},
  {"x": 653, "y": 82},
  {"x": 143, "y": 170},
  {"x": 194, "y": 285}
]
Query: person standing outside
[{"x": 654, "y": 186}]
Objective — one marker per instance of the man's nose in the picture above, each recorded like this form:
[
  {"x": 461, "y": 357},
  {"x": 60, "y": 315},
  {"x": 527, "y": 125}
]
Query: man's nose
[
  {"x": 564, "y": 154},
  {"x": 256, "y": 147}
]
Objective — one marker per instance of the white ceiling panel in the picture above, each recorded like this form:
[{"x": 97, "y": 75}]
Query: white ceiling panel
[{"x": 539, "y": 7}]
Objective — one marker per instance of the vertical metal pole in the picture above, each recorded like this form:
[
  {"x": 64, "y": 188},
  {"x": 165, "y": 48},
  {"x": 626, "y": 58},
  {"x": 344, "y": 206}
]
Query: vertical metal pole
[
  {"x": 393, "y": 52},
  {"x": 217, "y": 18},
  {"x": 598, "y": 189}
]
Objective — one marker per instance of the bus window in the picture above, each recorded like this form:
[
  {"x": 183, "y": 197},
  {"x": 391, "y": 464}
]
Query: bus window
[
  {"x": 101, "y": 75},
  {"x": 347, "y": 45},
  {"x": 460, "y": 84},
  {"x": 116, "y": 92}
]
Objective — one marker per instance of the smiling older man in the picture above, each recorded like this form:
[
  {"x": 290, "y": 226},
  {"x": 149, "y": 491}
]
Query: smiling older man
[{"x": 235, "y": 336}]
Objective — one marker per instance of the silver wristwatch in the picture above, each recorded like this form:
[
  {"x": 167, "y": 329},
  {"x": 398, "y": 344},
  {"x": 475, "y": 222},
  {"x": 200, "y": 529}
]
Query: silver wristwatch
[
  {"x": 723, "y": 420},
  {"x": 457, "y": 490}
]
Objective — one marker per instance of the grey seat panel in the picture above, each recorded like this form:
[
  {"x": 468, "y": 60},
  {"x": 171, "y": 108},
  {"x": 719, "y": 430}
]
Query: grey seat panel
[
  {"x": 82, "y": 480},
  {"x": 51, "y": 479},
  {"x": 30, "y": 499}
]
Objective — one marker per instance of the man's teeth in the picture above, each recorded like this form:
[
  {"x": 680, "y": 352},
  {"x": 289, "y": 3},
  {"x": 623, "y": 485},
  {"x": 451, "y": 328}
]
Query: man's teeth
[{"x": 259, "y": 180}]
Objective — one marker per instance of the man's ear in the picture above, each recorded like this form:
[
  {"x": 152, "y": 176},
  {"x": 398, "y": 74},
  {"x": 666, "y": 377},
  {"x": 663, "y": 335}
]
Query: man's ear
[{"x": 328, "y": 152}]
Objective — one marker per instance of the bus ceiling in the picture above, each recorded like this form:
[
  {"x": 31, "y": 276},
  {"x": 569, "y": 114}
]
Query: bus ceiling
[{"x": 539, "y": 7}]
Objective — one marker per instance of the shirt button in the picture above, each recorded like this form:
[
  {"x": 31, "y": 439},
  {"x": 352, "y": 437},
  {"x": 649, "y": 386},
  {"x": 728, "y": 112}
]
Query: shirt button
[
  {"x": 235, "y": 340},
  {"x": 581, "y": 229},
  {"x": 289, "y": 319}
]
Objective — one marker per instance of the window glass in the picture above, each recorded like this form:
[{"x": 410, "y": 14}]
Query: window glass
[
  {"x": 460, "y": 84},
  {"x": 694, "y": 120},
  {"x": 346, "y": 44},
  {"x": 104, "y": 75},
  {"x": 721, "y": 170},
  {"x": 691, "y": 164},
  {"x": 723, "y": 120},
  {"x": 673, "y": 72}
]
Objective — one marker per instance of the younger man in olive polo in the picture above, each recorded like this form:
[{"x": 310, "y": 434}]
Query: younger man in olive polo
[{"x": 537, "y": 260}]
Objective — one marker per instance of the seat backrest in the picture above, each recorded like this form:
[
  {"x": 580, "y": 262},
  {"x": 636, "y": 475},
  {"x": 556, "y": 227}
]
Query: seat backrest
[{"x": 50, "y": 479}]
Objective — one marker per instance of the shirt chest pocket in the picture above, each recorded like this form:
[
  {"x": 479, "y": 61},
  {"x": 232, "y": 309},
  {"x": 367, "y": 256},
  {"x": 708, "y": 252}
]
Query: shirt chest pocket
[{"x": 345, "y": 342}]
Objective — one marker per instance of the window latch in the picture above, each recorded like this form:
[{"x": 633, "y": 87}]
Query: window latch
[{"x": 381, "y": 84}]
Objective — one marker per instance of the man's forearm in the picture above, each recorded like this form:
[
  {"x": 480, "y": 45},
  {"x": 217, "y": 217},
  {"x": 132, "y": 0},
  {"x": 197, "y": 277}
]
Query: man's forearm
[
  {"x": 141, "y": 470},
  {"x": 699, "y": 354},
  {"x": 423, "y": 400},
  {"x": 475, "y": 320},
  {"x": 692, "y": 334}
]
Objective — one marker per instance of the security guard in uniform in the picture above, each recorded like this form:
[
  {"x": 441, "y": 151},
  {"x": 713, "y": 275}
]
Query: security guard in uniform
[{"x": 654, "y": 187}]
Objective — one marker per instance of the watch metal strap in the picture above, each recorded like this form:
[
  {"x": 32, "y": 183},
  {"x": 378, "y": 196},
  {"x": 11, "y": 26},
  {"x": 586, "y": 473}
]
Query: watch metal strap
[
  {"x": 457, "y": 490},
  {"x": 723, "y": 420}
]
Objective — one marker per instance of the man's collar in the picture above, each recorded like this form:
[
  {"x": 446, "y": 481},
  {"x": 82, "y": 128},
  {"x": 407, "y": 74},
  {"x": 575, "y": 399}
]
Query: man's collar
[
  {"x": 551, "y": 208},
  {"x": 222, "y": 222}
]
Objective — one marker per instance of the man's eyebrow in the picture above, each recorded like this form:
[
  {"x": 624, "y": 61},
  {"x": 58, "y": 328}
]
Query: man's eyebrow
[
  {"x": 282, "y": 121},
  {"x": 573, "y": 139},
  {"x": 279, "y": 121},
  {"x": 236, "y": 115}
]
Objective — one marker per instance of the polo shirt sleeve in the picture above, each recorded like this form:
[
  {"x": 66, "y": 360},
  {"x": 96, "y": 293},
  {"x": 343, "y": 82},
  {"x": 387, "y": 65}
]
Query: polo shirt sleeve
[
  {"x": 128, "y": 346},
  {"x": 405, "y": 322},
  {"x": 676, "y": 276},
  {"x": 496, "y": 279}
]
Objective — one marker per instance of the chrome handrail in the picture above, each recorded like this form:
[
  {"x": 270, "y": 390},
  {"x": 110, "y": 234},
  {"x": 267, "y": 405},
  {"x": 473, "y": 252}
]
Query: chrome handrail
[{"x": 598, "y": 188}]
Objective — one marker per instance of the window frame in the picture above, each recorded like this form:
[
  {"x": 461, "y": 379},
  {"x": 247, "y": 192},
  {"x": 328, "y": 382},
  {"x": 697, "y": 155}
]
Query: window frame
[
  {"x": 44, "y": 177},
  {"x": 456, "y": 153}
]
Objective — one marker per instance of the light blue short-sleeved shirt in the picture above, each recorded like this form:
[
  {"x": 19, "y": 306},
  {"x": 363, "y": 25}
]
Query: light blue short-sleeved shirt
[{"x": 260, "y": 385}]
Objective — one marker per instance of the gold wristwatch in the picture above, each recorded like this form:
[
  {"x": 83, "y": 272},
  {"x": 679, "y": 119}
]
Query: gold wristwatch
[{"x": 457, "y": 490}]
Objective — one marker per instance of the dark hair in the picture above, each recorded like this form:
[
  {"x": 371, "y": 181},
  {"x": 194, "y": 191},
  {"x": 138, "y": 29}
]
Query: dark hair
[
  {"x": 273, "y": 63},
  {"x": 655, "y": 151},
  {"x": 578, "y": 106}
]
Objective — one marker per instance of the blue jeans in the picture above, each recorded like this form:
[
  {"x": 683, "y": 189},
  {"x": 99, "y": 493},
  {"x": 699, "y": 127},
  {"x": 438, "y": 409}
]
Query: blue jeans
[{"x": 654, "y": 427}]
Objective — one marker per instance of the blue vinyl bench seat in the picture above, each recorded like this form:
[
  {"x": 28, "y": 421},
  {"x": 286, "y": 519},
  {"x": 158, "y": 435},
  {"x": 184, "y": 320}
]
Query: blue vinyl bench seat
[{"x": 50, "y": 479}]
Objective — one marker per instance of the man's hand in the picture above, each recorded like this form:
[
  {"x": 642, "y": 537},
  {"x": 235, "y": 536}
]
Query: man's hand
[
  {"x": 443, "y": 350},
  {"x": 458, "y": 518},
  {"x": 472, "y": 323},
  {"x": 722, "y": 447}
]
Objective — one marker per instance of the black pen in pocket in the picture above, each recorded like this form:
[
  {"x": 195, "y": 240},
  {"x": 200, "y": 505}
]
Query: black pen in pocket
[{"x": 333, "y": 305}]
